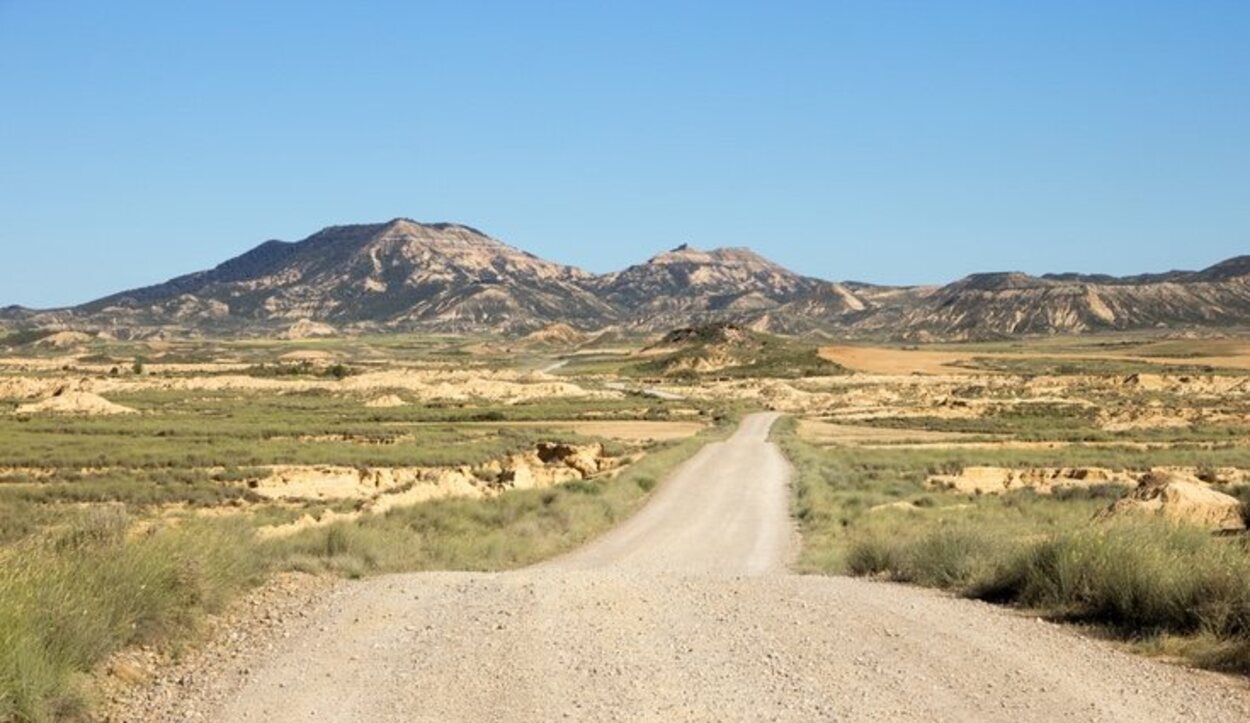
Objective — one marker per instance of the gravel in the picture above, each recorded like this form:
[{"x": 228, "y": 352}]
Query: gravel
[{"x": 683, "y": 613}]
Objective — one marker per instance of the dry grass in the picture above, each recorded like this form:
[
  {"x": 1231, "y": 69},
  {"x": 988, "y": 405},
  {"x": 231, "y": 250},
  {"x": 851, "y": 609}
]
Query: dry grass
[
  {"x": 80, "y": 589},
  {"x": 71, "y": 598},
  {"x": 1146, "y": 581},
  {"x": 512, "y": 530},
  {"x": 1171, "y": 589}
]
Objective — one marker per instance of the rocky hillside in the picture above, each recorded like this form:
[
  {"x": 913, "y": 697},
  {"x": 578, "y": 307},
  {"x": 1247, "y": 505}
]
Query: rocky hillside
[
  {"x": 725, "y": 349},
  {"x": 399, "y": 274},
  {"x": 686, "y": 285},
  {"x": 998, "y": 305},
  {"x": 451, "y": 278}
]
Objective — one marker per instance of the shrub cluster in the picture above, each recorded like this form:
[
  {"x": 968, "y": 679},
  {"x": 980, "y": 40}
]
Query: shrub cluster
[{"x": 1141, "y": 579}]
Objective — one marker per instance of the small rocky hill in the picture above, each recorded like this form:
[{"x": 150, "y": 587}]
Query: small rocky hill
[
  {"x": 556, "y": 335},
  {"x": 727, "y": 350}
]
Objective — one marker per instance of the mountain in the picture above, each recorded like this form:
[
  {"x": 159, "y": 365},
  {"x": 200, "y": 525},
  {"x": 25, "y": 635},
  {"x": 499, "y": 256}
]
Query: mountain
[
  {"x": 404, "y": 274},
  {"x": 451, "y": 278},
  {"x": 1006, "y": 304},
  {"x": 690, "y": 286}
]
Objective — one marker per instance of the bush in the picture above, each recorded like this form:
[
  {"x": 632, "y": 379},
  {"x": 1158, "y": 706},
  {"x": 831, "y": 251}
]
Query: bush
[
  {"x": 952, "y": 558},
  {"x": 1141, "y": 579},
  {"x": 874, "y": 555}
]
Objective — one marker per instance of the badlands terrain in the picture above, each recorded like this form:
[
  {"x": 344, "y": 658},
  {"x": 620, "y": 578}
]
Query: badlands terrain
[
  {"x": 707, "y": 523},
  {"x": 403, "y": 275}
]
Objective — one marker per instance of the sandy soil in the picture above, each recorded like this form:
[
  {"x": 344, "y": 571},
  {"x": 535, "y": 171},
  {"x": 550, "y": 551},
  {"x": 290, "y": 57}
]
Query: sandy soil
[
  {"x": 72, "y": 402},
  {"x": 885, "y": 360},
  {"x": 820, "y": 432},
  {"x": 880, "y": 360},
  {"x": 685, "y": 613}
]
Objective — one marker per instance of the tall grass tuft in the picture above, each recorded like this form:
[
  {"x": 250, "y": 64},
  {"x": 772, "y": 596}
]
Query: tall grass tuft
[
  {"x": 74, "y": 596},
  {"x": 1141, "y": 579}
]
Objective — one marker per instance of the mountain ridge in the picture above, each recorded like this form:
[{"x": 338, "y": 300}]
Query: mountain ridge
[{"x": 452, "y": 278}]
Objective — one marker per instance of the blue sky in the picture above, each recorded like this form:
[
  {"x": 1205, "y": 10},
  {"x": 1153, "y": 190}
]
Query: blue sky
[{"x": 894, "y": 142}]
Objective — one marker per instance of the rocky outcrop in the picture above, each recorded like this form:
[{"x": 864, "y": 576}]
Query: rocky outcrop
[
  {"x": 64, "y": 340},
  {"x": 309, "y": 329},
  {"x": 382, "y": 488},
  {"x": 1180, "y": 498},
  {"x": 1043, "y": 480},
  {"x": 558, "y": 335},
  {"x": 74, "y": 402}
]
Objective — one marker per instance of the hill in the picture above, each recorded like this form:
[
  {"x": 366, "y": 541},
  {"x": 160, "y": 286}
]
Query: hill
[
  {"x": 401, "y": 274},
  {"x": 985, "y": 306},
  {"x": 729, "y": 350}
]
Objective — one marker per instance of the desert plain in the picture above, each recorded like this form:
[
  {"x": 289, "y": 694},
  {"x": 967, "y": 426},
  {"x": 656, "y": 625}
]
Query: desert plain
[{"x": 591, "y": 527}]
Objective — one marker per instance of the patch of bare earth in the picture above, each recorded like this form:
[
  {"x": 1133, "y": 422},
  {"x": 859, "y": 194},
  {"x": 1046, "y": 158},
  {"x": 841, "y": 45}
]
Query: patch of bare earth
[{"x": 145, "y": 684}]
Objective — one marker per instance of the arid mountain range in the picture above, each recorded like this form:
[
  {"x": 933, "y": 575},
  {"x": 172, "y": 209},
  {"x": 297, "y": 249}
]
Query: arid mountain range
[{"x": 450, "y": 278}]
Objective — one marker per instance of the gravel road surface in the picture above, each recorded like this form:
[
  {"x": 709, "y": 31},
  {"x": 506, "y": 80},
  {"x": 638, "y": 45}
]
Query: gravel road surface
[{"x": 686, "y": 613}]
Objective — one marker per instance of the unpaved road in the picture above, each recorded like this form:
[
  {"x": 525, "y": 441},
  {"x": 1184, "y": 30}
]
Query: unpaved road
[{"x": 685, "y": 613}]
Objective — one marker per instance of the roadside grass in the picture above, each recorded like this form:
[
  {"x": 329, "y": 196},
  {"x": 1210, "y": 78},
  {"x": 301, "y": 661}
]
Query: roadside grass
[
  {"x": 75, "y": 589},
  {"x": 1169, "y": 589},
  {"x": 71, "y": 598},
  {"x": 511, "y": 530}
]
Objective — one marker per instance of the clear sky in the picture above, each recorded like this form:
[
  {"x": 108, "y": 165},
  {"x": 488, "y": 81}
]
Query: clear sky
[{"x": 894, "y": 142}]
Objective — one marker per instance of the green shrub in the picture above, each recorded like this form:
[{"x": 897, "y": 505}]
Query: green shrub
[
  {"x": 874, "y": 555},
  {"x": 1143, "y": 578}
]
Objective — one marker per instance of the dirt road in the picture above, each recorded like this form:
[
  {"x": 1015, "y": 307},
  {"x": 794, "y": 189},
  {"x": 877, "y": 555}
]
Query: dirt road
[{"x": 686, "y": 613}]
